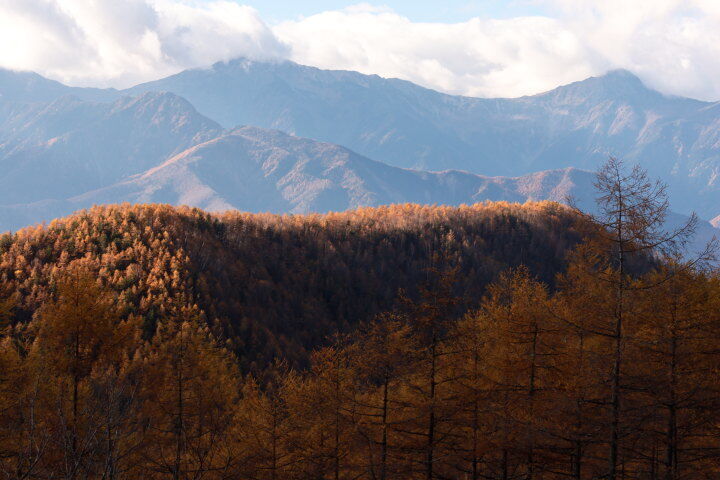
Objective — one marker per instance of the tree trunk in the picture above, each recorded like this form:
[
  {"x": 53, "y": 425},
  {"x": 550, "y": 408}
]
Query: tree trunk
[
  {"x": 577, "y": 461},
  {"x": 179, "y": 427},
  {"x": 671, "y": 459},
  {"x": 336, "y": 449},
  {"x": 615, "y": 400},
  {"x": 384, "y": 441},
  {"x": 273, "y": 474},
  {"x": 75, "y": 402},
  {"x": 531, "y": 394},
  {"x": 505, "y": 469},
  {"x": 429, "y": 470},
  {"x": 615, "y": 403}
]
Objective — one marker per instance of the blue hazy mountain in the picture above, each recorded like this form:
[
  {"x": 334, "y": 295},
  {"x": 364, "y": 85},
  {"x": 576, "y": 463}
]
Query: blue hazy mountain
[
  {"x": 29, "y": 87},
  {"x": 402, "y": 124},
  {"x": 67, "y": 147},
  {"x": 259, "y": 170},
  {"x": 55, "y": 147}
]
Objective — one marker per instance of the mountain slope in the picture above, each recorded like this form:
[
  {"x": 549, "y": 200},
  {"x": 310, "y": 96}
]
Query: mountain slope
[
  {"x": 257, "y": 170},
  {"x": 65, "y": 148},
  {"x": 276, "y": 286},
  {"x": 405, "y": 125},
  {"x": 96, "y": 149},
  {"x": 253, "y": 169},
  {"x": 29, "y": 87},
  {"x": 389, "y": 120}
]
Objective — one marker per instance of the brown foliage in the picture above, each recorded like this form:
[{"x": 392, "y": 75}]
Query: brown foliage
[
  {"x": 277, "y": 286},
  {"x": 128, "y": 329}
]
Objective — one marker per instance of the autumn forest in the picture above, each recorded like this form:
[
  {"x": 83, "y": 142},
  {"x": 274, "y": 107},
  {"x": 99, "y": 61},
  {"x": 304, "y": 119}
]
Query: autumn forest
[{"x": 493, "y": 341}]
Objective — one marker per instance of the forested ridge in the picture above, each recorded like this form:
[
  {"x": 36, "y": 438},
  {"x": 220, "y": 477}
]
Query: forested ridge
[
  {"x": 493, "y": 341},
  {"x": 278, "y": 285}
]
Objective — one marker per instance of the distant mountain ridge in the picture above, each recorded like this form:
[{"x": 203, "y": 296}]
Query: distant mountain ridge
[
  {"x": 254, "y": 169},
  {"x": 174, "y": 140},
  {"x": 259, "y": 170},
  {"x": 68, "y": 147},
  {"x": 29, "y": 87},
  {"x": 402, "y": 124}
]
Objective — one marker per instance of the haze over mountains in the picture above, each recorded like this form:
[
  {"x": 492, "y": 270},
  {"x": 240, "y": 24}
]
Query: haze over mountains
[
  {"x": 68, "y": 147},
  {"x": 350, "y": 140},
  {"x": 268, "y": 170}
]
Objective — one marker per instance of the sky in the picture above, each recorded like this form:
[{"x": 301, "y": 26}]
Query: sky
[
  {"x": 486, "y": 48},
  {"x": 448, "y": 11}
]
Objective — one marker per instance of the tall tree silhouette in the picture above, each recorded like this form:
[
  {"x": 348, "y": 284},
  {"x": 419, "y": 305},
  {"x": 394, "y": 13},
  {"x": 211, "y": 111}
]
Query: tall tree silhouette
[
  {"x": 382, "y": 357},
  {"x": 79, "y": 331},
  {"x": 430, "y": 317},
  {"x": 629, "y": 223},
  {"x": 190, "y": 387},
  {"x": 674, "y": 372}
]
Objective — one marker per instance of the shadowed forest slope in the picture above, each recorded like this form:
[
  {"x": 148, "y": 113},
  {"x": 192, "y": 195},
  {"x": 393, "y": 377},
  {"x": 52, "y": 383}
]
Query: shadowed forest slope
[{"x": 273, "y": 285}]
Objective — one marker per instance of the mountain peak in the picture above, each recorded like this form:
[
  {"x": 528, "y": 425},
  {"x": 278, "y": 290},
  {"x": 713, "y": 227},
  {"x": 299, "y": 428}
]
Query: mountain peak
[
  {"x": 620, "y": 79},
  {"x": 21, "y": 86},
  {"x": 621, "y": 73},
  {"x": 615, "y": 85},
  {"x": 154, "y": 100},
  {"x": 245, "y": 63}
]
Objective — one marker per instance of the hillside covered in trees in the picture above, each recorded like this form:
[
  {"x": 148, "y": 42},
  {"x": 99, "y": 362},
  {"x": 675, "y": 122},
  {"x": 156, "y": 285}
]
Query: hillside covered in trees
[
  {"x": 495, "y": 341},
  {"x": 276, "y": 286}
]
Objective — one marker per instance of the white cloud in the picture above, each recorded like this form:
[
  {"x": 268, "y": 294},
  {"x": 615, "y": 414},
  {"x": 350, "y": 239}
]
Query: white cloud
[
  {"x": 674, "y": 45},
  {"x": 478, "y": 57},
  {"x": 121, "y": 42}
]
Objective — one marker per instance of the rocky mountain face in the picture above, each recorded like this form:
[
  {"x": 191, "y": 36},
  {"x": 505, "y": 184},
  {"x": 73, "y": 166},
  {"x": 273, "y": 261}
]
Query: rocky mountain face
[
  {"x": 254, "y": 169},
  {"x": 258, "y": 170},
  {"x": 402, "y": 124},
  {"x": 64, "y": 148},
  {"x": 67, "y": 147}
]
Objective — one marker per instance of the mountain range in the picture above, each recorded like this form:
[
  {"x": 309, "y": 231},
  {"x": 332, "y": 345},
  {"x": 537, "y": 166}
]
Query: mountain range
[{"x": 286, "y": 138}]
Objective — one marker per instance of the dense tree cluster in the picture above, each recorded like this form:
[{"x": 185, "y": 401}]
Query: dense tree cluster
[
  {"x": 520, "y": 388},
  {"x": 272, "y": 285},
  {"x": 608, "y": 372}
]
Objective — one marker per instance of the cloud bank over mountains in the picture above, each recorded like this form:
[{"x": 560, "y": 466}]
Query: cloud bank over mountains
[
  {"x": 673, "y": 45},
  {"x": 120, "y": 43}
]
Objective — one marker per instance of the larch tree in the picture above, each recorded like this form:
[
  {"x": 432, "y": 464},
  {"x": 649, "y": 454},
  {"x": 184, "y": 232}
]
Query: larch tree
[
  {"x": 189, "y": 392},
  {"x": 429, "y": 428},
  {"x": 469, "y": 343},
  {"x": 381, "y": 357},
  {"x": 577, "y": 420},
  {"x": 24, "y": 438},
  {"x": 674, "y": 371},
  {"x": 522, "y": 330},
  {"x": 629, "y": 224},
  {"x": 114, "y": 393},
  {"x": 322, "y": 411},
  {"x": 261, "y": 431},
  {"x": 79, "y": 330}
]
